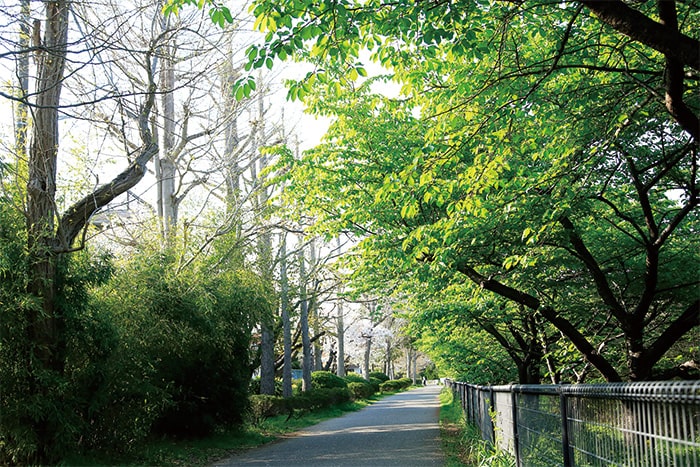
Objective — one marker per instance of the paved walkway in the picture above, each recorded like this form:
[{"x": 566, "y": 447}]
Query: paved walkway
[{"x": 398, "y": 430}]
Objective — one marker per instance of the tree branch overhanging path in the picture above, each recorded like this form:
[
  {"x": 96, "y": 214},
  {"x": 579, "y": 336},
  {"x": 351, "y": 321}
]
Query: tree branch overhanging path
[{"x": 642, "y": 43}]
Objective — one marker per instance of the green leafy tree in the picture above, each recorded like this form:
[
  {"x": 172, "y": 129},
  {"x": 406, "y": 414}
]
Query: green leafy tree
[
  {"x": 549, "y": 140},
  {"x": 453, "y": 210}
]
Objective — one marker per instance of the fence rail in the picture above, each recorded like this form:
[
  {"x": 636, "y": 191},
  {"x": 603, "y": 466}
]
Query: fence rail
[{"x": 651, "y": 424}]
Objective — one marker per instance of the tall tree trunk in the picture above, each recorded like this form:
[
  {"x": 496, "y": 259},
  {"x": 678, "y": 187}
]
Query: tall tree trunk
[
  {"x": 408, "y": 362},
  {"x": 304, "y": 324},
  {"x": 41, "y": 184},
  {"x": 313, "y": 311},
  {"x": 340, "y": 329},
  {"x": 167, "y": 169},
  {"x": 267, "y": 360},
  {"x": 267, "y": 357},
  {"x": 340, "y": 332},
  {"x": 45, "y": 321},
  {"x": 264, "y": 253},
  {"x": 21, "y": 112},
  {"x": 387, "y": 357},
  {"x": 232, "y": 141},
  {"x": 414, "y": 366},
  {"x": 286, "y": 322},
  {"x": 366, "y": 363}
]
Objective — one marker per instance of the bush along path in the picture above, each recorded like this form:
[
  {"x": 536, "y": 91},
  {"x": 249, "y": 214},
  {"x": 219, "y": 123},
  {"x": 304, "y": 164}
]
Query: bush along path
[
  {"x": 268, "y": 417},
  {"x": 401, "y": 429}
]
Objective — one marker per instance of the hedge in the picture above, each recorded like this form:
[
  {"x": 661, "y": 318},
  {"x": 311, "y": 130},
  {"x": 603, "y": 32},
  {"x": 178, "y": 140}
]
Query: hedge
[{"x": 327, "y": 380}]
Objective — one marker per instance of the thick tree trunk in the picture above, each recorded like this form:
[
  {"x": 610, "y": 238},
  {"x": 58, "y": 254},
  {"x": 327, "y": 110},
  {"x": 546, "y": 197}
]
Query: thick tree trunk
[
  {"x": 41, "y": 184},
  {"x": 286, "y": 323},
  {"x": 634, "y": 337},
  {"x": 267, "y": 360},
  {"x": 45, "y": 320}
]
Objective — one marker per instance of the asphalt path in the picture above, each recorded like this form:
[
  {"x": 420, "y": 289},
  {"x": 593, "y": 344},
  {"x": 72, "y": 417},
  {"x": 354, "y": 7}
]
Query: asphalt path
[{"x": 400, "y": 430}]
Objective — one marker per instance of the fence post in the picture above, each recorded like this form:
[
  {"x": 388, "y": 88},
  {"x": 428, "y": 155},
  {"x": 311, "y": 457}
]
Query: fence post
[
  {"x": 516, "y": 443},
  {"x": 492, "y": 409},
  {"x": 564, "y": 428},
  {"x": 468, "y": 403}
]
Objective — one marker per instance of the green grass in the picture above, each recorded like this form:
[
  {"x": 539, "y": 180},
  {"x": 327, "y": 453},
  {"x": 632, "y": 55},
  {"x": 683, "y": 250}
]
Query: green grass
[
  {"x": 452, "y": 426},
  {"x": 202, "y": 452},
  {"x": 461, "y": 441}
]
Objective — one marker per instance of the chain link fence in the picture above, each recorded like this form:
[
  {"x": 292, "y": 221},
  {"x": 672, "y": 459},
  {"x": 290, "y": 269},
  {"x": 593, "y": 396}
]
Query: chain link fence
[{"x": 626, "y": 424}]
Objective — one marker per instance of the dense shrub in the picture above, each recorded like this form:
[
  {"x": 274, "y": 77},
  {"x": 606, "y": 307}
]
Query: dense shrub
[
  {"x": 359, "y": 387},
  {"x": 144, "y": 348},
  {"x": 318, "y": 399},
  {"x": 390, "y": 386},
  {"x": 186, "y": 336},
  {"x": 361, "y": 390},
  {"x": 375, "y": 383},
  {"x": 327, "y": 380},
  {"x": 332, "y": 396},
  {"x": 354, "y": 378},
  {"x": 395, "y": 385},
  {"x": 44, "y": 409},
  {"x": 405, "y": 382},
  {"x": 263, "y": 406},
  {"x": 379, "y": 375}
]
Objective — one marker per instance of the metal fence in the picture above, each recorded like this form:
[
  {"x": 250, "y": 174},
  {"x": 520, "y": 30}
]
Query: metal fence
[{"x": 627, "y": 424}]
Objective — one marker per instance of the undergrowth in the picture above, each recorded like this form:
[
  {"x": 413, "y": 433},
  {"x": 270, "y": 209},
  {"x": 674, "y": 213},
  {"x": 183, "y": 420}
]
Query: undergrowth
[
  {"x": 202, "y": 452},
  {"x": 462, "y": 443}
]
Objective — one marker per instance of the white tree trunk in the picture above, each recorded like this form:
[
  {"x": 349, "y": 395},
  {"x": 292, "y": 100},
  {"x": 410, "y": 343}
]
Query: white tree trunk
[
  {"x": 167, "y": 168},
  {"x": 264, "y": 259},
  {"x": 408, "y": 362},
  {"x": 21, "y": 112},
  {"x": 304, "y": 323},
  {"x": 287, "y": 327},
  {"x": 340, "y": 332},
  {"x": 313, "y": 310}
]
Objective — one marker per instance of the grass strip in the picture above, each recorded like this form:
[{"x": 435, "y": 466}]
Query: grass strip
[{"x": 462, "y": 443}]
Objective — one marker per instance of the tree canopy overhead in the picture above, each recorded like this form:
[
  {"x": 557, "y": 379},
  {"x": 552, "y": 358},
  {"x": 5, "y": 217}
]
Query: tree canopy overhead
[
  {"x": 608, "y": 36},
  {"x": 545, "y": 151}
]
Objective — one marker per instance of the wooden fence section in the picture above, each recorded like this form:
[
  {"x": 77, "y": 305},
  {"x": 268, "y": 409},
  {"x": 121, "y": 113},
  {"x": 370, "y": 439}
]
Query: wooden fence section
[{"x": 626, "y": 424}]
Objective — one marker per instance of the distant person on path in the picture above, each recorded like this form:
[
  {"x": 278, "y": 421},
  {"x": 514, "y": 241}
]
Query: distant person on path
[{"x": 424, "y": 381}]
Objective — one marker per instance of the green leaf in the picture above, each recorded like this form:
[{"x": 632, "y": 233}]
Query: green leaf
[{"x": 227, "y": 14}]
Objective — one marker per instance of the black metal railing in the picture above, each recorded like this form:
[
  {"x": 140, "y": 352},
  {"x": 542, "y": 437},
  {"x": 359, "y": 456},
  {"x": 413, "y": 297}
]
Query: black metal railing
[{"x": 627, "y": 424}]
